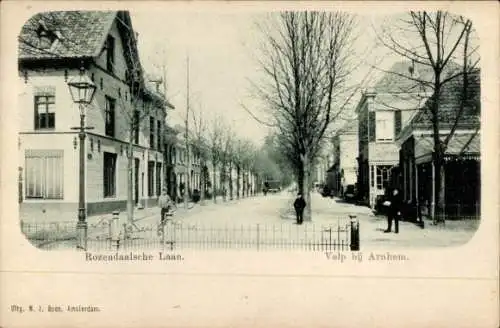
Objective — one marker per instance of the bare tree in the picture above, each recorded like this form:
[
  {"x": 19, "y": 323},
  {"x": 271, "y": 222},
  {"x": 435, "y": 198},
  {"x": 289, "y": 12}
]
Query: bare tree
[
  {"x": 443, "y": 44},
  {"x": 199, "y": 138},
  {"x": 241, "y": 150},
  {"x": 215, "y": 139},
  {"x": 225, "y": 157},
  {"x": 306, "y": 60}
]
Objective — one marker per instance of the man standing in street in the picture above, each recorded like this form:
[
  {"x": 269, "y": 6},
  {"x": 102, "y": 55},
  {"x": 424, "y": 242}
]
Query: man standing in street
[
  {"x": 299, "y": 206},
  {"x": 394, "y": 211}
]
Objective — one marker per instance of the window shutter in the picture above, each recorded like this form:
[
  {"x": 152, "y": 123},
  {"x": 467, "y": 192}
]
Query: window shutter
[
  {"x": 397, "y": 123},
  {"x": 371, "y": 126}
]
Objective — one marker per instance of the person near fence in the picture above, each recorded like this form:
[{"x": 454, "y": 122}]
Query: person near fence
[
  {"x": 165, "y": 203},
  {"x": 394, "y": 211},
  {"x": 299, "y": 206}
]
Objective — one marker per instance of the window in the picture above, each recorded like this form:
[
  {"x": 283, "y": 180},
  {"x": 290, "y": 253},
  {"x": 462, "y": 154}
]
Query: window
[
  {"x": 110, "y": 53},
  {"x": 136, "y": 126},
  {"x": 152, "y": 132},
  {"x": 371, "y": 126},
  {"x": 383, "y": 176},
  {"x": 158, "y": 179},
  {"x": 151, "y": 181},
  {"x": 384, "y": 126},
  {"x": 46, "y": 37},
  {"x": 110, "y": 117},
  {"x": 174, "y": 155},
  {"x": 397, "y": 123},
  {"x": 109, "y": 174},
  {"x": 45, "y": 108},
  {"x": 158, "y": 134},
  {"x": 44, "y": 174}
]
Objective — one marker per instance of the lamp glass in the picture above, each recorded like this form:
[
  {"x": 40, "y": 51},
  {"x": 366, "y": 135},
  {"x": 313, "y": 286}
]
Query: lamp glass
[{"x": 82, "y": 89}]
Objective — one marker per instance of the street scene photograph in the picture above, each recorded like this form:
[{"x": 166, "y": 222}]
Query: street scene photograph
[{"x": 248, "y": 130}]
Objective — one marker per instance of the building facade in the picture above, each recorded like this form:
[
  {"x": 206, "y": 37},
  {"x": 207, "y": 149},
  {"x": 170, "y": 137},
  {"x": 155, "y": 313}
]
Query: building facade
[
  {"x": 345, "y": 167},
  {"x": 53, "y": 49},
  {"x": 462, "y": 163},
  {"x": 383, "y": 112}
]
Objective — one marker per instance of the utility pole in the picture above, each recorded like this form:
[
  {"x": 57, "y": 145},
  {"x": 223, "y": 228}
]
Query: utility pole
[{"x": 188, "y": 164}]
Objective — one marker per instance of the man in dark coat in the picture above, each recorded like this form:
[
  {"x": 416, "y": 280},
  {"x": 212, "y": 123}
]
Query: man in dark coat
[
  {"x": 394, "y": 211},
  {"x": 299, "y": 206}
]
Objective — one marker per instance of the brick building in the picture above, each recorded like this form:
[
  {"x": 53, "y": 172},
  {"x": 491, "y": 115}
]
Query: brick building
[{"x": 53, "y": 47}]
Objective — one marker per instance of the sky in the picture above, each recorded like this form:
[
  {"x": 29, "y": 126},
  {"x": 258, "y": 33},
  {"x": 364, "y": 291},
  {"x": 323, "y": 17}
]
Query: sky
[
  {"x": 222, "y": 50},
  {"x": 220, "y": 63}
]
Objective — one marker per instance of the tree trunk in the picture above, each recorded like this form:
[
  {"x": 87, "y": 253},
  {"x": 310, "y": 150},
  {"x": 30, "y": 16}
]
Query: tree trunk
[
  {"x": 438, "y": 157},
  {"x": 230, "y": 177},
  {"x": 238, "y": 182},
  {"x": 223, "y": 182},
  {"x": 440, "y": 190},
  {"x": 202, "y": 182},
  {"x": 300, "y": 181},
  {"x": 130, "y": 182},
  {"x": 306, "y": 190},
  {"x": 244, "y": 178},
  {"x": 214, "y": 187}
]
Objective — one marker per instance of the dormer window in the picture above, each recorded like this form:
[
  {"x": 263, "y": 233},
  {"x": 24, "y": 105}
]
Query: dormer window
[
  {"x": 46, "y": 36},
  {"x": 110, "y": 54}
]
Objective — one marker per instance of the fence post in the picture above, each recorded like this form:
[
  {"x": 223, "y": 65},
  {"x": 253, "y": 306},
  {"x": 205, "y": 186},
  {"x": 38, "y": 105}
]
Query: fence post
[
  {"x": 115, "y": 230},
  {"x": 354, "y": 233},
  {"x": 258, "y": 236}
]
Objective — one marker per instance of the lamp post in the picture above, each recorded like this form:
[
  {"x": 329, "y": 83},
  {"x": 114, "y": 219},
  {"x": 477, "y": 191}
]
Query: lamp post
[{"x": 82, "y": 91}]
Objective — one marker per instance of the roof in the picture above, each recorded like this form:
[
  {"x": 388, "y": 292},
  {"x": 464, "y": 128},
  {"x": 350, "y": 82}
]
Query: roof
[
  {"x": 449, "y": 105},
  {"x": 398, "y": 101},
  {"x": 459, "y": 145},
  {"x": 398, "y": 79},
  {"x": 77, "y": 34},
  {"x": 157, "y": 95},
  {"x": 450, "y": 102}
]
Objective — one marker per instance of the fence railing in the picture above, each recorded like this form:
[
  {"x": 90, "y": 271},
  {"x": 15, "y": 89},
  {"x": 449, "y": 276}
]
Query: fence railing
[
  {"x": 342, "y": 235},
  {"x": 47, "y": 234}
]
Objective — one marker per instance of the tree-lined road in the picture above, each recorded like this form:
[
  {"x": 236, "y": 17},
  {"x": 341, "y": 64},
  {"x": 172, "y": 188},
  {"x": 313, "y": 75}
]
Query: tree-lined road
[{"x": 275, "y": 212}]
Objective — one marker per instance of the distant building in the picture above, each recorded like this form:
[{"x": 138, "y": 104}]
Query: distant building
[
  {"x": 345, "y": 147},
  {"x": 53, "y": 47}
]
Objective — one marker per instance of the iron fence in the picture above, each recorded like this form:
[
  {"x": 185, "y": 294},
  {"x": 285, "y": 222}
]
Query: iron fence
[
  {"x": 47, "y": 235},
  {"x": 342, "y": 236}
]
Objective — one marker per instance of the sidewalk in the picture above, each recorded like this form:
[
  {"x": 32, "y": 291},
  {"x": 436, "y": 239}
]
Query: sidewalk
[{"x": 453, "y": 233}]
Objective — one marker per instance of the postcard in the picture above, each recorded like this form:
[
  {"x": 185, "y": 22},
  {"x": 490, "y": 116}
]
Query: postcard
[{"x": 248, "y": 164}]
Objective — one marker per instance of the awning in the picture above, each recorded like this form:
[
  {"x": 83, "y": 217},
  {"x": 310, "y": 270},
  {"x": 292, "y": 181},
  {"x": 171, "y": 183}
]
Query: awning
[{"x": 463, "y": 145}]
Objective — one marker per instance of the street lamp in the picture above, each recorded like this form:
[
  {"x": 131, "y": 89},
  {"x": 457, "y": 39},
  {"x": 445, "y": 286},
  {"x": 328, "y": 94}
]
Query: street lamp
[{"x": 82, "y": 91}]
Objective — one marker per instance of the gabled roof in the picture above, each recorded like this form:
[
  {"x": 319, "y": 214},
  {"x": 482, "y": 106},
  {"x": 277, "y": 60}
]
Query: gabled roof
[
  {"x": 450, "y": 101},
  {"x": 398, "y": 79},
  {"x": 77, "y": 34},
  {"x": 398, "y": 101}
]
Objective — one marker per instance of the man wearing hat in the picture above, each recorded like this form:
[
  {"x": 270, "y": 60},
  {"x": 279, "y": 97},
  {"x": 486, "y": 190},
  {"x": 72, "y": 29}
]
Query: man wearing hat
[{"x": 299, "y": 206}]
